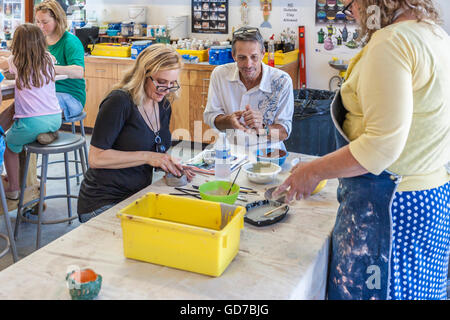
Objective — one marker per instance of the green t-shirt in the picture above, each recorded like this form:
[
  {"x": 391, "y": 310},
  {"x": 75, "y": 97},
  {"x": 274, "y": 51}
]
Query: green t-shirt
[{"x": 69, "y": 51}]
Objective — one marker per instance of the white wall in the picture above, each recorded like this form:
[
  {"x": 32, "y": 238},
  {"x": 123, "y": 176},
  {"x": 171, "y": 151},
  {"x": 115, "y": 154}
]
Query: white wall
[
  {"x": 318, "y": 71},
  {"x": 445, "y": 10}
]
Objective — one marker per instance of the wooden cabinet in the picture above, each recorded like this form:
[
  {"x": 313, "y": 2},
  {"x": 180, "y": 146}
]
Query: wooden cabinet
[
  {"x": 122, "y": 69},
  {"x": 100, "y": 78},
  {"x": 96, "y": 91},
  {"x": 179, "y": 123},
  {"x": 101, "y": 70}
]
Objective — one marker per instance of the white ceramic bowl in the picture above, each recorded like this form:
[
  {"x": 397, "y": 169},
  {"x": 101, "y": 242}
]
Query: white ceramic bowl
[{"x": 261, "y": 177}]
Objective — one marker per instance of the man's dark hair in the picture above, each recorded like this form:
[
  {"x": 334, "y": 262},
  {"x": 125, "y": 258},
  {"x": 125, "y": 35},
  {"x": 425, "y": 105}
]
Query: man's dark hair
[{"x": 247, "y": 34}]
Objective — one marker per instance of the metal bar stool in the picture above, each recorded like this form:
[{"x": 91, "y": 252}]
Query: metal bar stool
[
  {"x": 66, "y": 142},
  {"x": 77, "y": 174},
  {"x": 10, "y": 243}
]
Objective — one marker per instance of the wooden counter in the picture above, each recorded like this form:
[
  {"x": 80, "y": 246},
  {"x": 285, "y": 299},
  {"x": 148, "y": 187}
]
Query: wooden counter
[
  {"x": 187, "y": 112},
  {"x": 287, "y": 260}
]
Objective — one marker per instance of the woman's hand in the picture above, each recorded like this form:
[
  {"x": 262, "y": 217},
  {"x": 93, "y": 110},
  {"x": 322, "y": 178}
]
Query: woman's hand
[
  {"x": 188, "y": 173},
  {"x": 301, "y": 183},
  {"x": 166, "y": 163},
  {"x": 305, "y": 177}
]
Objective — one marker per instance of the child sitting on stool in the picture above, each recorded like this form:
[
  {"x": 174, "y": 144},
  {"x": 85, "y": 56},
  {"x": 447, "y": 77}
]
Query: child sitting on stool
[{"x": 36, "y": 107}]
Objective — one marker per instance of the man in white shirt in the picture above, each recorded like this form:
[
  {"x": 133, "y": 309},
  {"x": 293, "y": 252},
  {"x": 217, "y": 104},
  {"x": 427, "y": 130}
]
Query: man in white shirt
[{"x": 248, "y": 96}]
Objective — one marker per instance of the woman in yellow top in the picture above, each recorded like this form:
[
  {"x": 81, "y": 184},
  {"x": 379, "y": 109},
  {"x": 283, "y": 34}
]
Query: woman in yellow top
[{"x": 392, "y": 232}]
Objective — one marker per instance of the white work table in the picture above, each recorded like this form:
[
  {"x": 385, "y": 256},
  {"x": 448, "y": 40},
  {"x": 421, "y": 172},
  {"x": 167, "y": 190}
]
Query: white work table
[
  {"x": 287, "y": 260},
  {"x": 7, "y": 86}
]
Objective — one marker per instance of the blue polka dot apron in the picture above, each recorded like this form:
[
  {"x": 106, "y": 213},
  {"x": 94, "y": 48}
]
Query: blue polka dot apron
[{"x": 387, "y": 244}]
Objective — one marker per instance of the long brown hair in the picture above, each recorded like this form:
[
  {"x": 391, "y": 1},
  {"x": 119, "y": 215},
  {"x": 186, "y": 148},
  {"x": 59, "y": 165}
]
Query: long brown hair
[
  {"x": 157, "y": 57},
  {"x": 34, "y": 65},
  {"x": 55, "y": 10},
  {"x": 421, "y": 9}
]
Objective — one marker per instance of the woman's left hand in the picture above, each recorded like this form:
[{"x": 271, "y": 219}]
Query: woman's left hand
[
  {"x": 188, "y": 173},
  {"x": 300, "y": 184}
]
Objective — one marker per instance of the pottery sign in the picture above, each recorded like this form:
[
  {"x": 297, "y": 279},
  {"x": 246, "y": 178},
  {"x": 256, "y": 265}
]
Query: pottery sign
[{"x": 290, "y": 15}]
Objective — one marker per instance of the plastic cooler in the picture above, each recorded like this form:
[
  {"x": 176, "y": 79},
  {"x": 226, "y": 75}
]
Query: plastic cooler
[
  {"x": 283, "y": 58},
  {"x": 189, "y": 234},
  {"x": 110, "y": 50},
  {"x": 201, "y": 54},
  {"x": 138, "y": 46},
  {"x": 220, "y": 55}
]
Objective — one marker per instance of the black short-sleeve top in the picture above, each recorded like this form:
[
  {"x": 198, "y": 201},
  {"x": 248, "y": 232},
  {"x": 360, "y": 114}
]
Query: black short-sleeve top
[{"x": 120, "y": 126}]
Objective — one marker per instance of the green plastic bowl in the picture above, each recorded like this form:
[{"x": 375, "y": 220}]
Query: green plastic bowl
[{"x": 213, "y": 186}]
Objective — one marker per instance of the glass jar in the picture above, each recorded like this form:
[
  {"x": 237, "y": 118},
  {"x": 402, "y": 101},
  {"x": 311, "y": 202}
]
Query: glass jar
[{"x": 127, "y": 29}]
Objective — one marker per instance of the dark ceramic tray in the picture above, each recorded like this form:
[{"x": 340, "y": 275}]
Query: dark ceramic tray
[{"x": 256, "y": 210}]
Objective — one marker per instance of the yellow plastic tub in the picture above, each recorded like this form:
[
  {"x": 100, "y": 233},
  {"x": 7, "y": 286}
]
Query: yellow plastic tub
[
  {"x": 111, "y": 50},
  {"x": 201, "y": 54},
  {"x": 283, "y": 58},
  {"x": 189, "y": 234}
]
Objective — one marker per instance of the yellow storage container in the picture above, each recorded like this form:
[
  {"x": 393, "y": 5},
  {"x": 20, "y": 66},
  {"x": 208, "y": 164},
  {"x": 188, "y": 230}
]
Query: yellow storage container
[
  {"x": 202, "y": 55},
  {"x": 111, "y": 50},
  {"x": 195, "y": 235},
  {"x": 283, "y": 58}
]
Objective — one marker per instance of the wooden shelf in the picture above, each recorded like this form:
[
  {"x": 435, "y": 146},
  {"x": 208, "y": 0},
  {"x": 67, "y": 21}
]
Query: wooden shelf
[{"x": 122, "y": 37}]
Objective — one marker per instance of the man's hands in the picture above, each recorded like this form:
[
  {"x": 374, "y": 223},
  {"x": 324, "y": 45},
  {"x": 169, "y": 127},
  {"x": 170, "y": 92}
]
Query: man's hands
[
  {"x": 233, "y": 120},
  {"x": 253, "y": 120}
]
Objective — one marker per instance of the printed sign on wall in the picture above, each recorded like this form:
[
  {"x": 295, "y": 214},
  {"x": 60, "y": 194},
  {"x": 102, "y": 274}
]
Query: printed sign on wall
[{"x": 210, "y": 16}]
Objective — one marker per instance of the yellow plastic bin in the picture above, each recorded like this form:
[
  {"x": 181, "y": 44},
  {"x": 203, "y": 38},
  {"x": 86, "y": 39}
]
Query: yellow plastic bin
[
  {"x": 111, "y": 50},
  {"x": 189, "y": 234},
  {"x": 202, "y": 55},
  {"x": 283, "y": 58}
]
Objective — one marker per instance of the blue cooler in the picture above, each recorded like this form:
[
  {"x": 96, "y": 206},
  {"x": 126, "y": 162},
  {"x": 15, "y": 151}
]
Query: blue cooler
[
  {"x": 137, "y": 47},
  {"x": 220, "y": 55}
]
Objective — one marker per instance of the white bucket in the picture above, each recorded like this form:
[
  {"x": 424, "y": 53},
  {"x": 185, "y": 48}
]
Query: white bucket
[
  {"x": 137, "y": 14},
  {"x": 178, "y": 27}
]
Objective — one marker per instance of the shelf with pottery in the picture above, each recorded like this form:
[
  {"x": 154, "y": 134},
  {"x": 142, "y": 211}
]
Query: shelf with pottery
[
  {"x": 125, "y": 38},
  {"x": 102, "y": 73}
]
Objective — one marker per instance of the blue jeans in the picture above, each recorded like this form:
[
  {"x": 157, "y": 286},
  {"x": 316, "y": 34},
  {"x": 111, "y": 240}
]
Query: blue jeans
[
  {"x": 70, "y": 106},
  {"x": 88, "y": 216}
]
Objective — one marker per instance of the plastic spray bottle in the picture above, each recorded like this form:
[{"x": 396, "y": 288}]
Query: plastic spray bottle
[{"x": 271, "y": 51}]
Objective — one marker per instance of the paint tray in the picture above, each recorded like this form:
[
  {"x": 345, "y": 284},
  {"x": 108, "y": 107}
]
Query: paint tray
[
  {"x": 189, "y": 234},
  {"x": 256, "y": 210}
]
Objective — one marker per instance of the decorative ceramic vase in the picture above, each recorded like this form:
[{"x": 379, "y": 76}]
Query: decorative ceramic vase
[
  {"x": 344, "y": 33},
  {"x": 328, "y": 45},
  {"x": 83, "y": 284},
  {"x": 321, "y": 35}
]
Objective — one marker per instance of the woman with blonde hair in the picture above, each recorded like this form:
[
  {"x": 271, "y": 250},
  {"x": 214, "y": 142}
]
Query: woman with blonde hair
[
  {"x": 391, "y": 239},
  {"x": 131, "y": 133},
  {"x": 69, "y": 54}
]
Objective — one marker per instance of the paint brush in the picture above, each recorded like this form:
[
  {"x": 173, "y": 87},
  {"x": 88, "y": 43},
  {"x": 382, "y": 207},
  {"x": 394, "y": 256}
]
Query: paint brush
[
  {"x": 273, "y": 210},
  {"x": 235, "y": 177}
]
